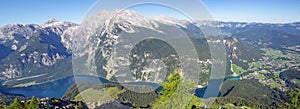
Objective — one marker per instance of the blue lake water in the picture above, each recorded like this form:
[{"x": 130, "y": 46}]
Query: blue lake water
[
  {"x": 212, "y": 90},
  {"x": 55, "y": 88},
  {"x": 233, "y": 78},
  {"x": 58, "y": 87}
]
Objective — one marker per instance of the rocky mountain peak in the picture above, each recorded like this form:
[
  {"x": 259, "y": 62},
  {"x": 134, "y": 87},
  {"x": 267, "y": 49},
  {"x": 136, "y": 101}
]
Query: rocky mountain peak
[{"x": 51, "y": 21}]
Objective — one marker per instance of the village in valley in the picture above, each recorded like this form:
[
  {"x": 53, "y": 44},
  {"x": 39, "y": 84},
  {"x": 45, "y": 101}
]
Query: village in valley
[{"x": 268, "y": 69}]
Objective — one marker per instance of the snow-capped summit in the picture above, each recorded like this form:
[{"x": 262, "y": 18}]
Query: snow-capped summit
[
  {"x": 124, "y": 19},
  {"x": 172, "y": 20},
  {"x": 53, "y": 20},
  {"x": 56, "y": 23},
  {"x": 15, "y": 35},
  {"x": 25, "y": 31}
]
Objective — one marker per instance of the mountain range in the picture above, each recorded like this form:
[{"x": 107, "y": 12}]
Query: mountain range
[
  {"x": 32, "y": 50},
  {"x": 33, "y": 54}
]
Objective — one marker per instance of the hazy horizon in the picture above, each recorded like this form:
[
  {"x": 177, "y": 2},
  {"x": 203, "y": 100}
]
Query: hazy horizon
[{"x": 258, "y": 11}]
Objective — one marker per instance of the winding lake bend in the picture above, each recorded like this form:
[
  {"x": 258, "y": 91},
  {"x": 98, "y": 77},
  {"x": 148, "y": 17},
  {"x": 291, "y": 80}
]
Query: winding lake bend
[
  {"x": 58, "y": 87},
  {"x": 55, "y": 88}
]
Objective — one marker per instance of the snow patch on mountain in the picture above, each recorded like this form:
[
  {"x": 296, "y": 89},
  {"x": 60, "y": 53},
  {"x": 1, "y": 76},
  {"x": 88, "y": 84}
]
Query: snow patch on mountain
[{"x": 171, "y": 21}]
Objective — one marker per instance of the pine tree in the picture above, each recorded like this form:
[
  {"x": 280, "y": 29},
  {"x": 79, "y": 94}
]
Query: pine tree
[
  {"x": 294, "y": 96},
  {"x": 176, "y": 94},
  {"x": 16, "y": 105},
  {"x": 34, "y": 103},
  {"x": 1, "y": 106},
  {"x": 168, "y": 88},
  {"x": 80, "y": 105}
]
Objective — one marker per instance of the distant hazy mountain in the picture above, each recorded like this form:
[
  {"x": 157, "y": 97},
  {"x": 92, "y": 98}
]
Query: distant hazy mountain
[{"x": 32, "y": 49}]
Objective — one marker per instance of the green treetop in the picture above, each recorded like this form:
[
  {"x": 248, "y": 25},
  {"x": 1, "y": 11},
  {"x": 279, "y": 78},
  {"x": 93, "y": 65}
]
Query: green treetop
[
  {"x": 176, "y": 94},
  {"x": 16, "y": 105},
  {"x": 34, "y": 103}
]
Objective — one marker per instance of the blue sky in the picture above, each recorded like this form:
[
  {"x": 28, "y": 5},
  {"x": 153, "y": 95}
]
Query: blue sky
[
  {"x": 255, "y": 10},
  {"x": 39, "y": 11}
]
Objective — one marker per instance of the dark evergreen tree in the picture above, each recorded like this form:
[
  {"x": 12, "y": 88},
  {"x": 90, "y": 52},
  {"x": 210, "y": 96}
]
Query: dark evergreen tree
[
  {"x": 1, "y": 106},
  {"x": 80, "y": 105},
  {"x": 176, "y": 94},
  {"x": 16, "y": 105},
  {"x": 294, "y": 97},
  {"x": 34, "y": 103}
]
